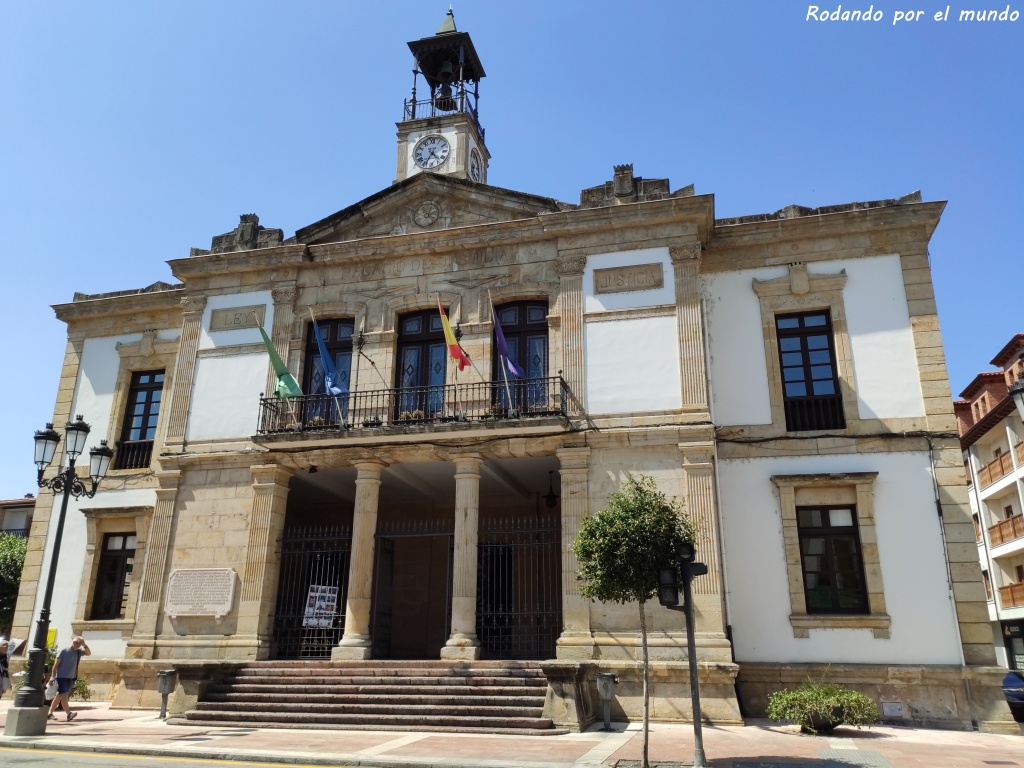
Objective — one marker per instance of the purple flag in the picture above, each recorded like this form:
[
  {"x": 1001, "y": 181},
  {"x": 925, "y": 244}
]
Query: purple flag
[{"x": 506, "y": 362}]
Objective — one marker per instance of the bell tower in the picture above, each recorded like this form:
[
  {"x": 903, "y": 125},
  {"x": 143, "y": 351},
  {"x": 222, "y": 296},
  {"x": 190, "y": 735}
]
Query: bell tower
[{"x": 440, "y": 131}]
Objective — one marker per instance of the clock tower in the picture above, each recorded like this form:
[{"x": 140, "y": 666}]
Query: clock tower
[{"x": 440, "y": 131}]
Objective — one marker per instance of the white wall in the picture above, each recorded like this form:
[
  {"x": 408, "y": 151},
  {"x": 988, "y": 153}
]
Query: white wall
[
  {"x": 632, "y": 365},
  {"x": 884, "y": 361},
  {"x": 923, "y": 629},
  {"x": 226, "y": 396},
  {"x": 94, "y": 390},
  {"x": 882, "y": 343},
  {"x": 71, "y": 566}
]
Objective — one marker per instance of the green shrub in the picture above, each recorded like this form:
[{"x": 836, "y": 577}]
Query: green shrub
[
  {"x": 822, "y": 706},
  {"x": 12, "y": 558}
]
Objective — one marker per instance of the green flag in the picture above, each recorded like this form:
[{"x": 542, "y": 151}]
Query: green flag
[{"x": 287, "y": 386}]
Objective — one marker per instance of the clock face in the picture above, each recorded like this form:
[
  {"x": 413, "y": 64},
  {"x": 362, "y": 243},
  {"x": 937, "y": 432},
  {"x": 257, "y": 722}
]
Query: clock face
[
  {"x": 476, "y": 166},
  {"x": 431, "y": 151}
]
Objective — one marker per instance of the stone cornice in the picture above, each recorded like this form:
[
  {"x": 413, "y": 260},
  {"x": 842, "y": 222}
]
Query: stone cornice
[{"x": 121, "y": 305}]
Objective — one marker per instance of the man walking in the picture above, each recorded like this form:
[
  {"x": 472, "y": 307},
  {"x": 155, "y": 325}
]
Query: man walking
[{"x": 65, "y": 670}]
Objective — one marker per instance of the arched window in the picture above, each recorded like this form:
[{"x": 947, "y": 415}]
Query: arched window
[
  {"x": 421, "y": 362},
  {"x": 337, "y": 335},
  {"x": 524, "y": 324}
]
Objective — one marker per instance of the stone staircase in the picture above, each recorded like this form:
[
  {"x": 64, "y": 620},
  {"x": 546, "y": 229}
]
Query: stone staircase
[{"x": 475, "y": 697}]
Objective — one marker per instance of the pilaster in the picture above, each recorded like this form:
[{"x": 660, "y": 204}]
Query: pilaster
[
  {"x": 463, "y": 642},
  {"x": 154, "y": 569},
  {"x": 262, "y": 555},
  {"x": 356, "y": 642},
  {"x": 693, "y": 368},
  {"x": 570, "y": 272},
  {"x": 576, "y": 640},
  {"x": 181, "y": 392},
  {"x": 280, "y": 332}
]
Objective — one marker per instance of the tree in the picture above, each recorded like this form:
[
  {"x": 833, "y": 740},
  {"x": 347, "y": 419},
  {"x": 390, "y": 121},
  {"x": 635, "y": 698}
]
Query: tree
[
  {"x": 621, "y": 549},
  {"x": 12, "y": 558}
]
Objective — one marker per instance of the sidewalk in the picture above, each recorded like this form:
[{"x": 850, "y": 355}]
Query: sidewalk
[{"x": 761, "y": 744}]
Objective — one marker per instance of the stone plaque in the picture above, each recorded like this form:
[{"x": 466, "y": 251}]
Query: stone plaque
[
  {"x": 200, "y": 592},
  {"x": 237, "y": 317},
  {"x": 640, "y": 277}
]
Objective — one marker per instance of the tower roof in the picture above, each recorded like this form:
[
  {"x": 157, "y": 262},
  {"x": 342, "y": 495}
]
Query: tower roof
[{"x": 447, "y": 45}]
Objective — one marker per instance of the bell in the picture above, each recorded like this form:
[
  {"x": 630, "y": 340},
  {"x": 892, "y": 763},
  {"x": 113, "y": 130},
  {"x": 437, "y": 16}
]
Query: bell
[
  {"x": 446, "y": 73},
  {"x": 443, "y": 100}
]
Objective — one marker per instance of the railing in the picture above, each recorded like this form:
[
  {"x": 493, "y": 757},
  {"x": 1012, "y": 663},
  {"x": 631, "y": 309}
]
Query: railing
[
  {"x": 1012, "y": 596},
  {"x": 1000, "y": 466},
  {"x": 1006, "y": 530},
  {"x": 460, "y": 100},
  {"x": 487, "y": 401},
  {"x": 804, "y": 414},
  {"x": 1018, "y": 452},
  {"x": 21, "y": 532},
  {"x": 133, "y": 454}
]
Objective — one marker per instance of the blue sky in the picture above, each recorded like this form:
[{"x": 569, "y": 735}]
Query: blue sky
[{"x": 133, "y": 131}]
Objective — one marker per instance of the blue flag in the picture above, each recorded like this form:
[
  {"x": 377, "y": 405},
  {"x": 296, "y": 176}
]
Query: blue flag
[
  {"x": 506, "y": 362},
  {"x": 330, "y": 371}
]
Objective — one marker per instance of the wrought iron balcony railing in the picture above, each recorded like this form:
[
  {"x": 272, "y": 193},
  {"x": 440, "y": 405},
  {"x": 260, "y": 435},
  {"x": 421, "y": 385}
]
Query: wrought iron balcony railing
[
  {"x": 22, "y": 532},
  {"x": 462, "y": 100},
  {"x": 804, "y": 414},
  {"x": 133, "y": 454},
  {"x": 486, "y": 401}
]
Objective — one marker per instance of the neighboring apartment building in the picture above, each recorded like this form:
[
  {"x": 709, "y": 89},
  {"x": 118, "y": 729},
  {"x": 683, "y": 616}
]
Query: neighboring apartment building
[
  {"x": 992, "y": 438},
  {"x": 16, "y": 515},
  {"x": 782, "y": 374}
]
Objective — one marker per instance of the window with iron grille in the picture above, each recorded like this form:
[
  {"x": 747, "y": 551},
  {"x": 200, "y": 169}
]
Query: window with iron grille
[
  {"x": 113, "y": 576},
  {"x": 135, "y": 448},
  {"x": 810, "y": 384},
  {"x": 831, "y": 560}
]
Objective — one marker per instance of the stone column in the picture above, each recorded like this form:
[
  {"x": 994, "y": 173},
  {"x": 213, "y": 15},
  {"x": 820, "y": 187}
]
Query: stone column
[
  {"x": 576, "y": 640},
  {"x": 693, "y": 369},
  {"x": 570, "y": 271},
  {"x": 181, "y": 393},
  {"x": 356, "y": 643},
  {"x": 262, "y": 556},
  {"x": 142, "y": 644},
  {"x": 463, "y": 642},
  {"x": 280, "y": 332}
]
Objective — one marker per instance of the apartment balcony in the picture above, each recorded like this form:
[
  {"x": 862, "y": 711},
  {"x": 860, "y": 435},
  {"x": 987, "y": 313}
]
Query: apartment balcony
[
  {"x": 1012, "y": 595},
  {"x": 133, "y": 454},
  {"x": 519, "y": 408},
  {"x": 1006, "y": 530},
  {"x": 1000, "y": 466},
  {"x": 20, "y": 532}
]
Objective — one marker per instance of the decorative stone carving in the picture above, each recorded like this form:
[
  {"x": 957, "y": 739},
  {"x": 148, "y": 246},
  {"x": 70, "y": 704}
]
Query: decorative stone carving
[
  {"x": 570, "y": 265},
  {"x": 685, "y": 252},
  {"x": 192, "y": 304},
  {"x": 283, "y": 295},
  {"x": 200, "y": 592}
]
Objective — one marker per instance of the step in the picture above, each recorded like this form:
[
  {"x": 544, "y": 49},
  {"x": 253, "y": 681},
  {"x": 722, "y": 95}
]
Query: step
[
  {"x": 468, "y": 682},
  {"x": 195, "y": 716},
  {"x": 388, "y": 689},
  {"x": 423, "y": 711},
  {"x": 418, "y": 697},
  {"x": 361, "y": 727},
  {"x": 389, "y": 664},
  {"x": 418, "y": 672}
]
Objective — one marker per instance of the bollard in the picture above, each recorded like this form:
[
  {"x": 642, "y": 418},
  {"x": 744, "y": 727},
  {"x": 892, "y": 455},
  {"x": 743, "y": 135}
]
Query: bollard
[
  {"x": 165, "y": 685},
  {"x": 606, "y": 690}
]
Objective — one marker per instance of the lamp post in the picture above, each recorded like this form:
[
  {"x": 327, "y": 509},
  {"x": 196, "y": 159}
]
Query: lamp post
[
  {"x": 70, "y": 484},
  {"x": 668, "y": 596}
]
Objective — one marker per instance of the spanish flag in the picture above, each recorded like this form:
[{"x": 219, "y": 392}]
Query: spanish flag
[{"x": 453, "y": 345}]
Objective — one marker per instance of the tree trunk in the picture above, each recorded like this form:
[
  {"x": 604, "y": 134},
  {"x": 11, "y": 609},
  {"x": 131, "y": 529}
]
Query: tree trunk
[{"x": 647, "y": 696}]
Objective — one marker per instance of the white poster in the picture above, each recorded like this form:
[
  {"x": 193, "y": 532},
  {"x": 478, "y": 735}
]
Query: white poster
[{"x": 321, "y": 606}]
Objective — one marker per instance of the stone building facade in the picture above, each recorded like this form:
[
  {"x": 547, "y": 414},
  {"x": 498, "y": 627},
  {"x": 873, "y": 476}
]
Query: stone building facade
[{"x": 781, "y": 374}]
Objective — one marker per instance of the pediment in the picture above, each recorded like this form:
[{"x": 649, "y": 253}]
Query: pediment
[{"x": 425, "y": 203}]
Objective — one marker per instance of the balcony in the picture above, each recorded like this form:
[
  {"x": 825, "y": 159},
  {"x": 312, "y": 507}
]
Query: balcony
[
  {"x": 1007, "y": 530},
  {"x": 20, "y": 532},
  {"x": 1000, "y": 466},
  {"x": 133, "y": 454},
  {"x": 1012, "y": 595},
  {"x": 531, "y": 406}
]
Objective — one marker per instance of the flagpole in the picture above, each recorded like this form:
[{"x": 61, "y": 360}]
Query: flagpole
[
  {"x": 504, "y": 373},
  {"x": 337, "y": 403},
  {"x": 287, "y": 400}
]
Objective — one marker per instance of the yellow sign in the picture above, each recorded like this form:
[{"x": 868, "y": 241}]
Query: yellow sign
[{"x": 51, "y": 638}]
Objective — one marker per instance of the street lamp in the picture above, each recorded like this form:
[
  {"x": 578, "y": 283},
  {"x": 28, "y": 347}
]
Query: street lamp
[
  {"x": 70, "y": 484},
  {"x": 668, "y": 596}
]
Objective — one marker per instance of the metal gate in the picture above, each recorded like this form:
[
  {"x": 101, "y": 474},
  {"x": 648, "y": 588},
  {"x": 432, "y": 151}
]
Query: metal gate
[
  {"x": 312, "y": 589},
  {"x": 519, "y": 588}
]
